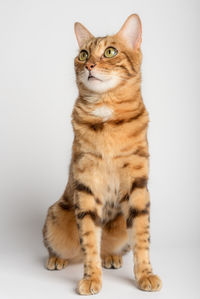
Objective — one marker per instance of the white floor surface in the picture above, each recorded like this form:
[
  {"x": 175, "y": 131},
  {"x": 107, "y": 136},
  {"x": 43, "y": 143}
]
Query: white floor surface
[{"x": 22, "y": 275}]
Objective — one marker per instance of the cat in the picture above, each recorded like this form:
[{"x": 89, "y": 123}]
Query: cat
[{"x": 104, "y": 210}]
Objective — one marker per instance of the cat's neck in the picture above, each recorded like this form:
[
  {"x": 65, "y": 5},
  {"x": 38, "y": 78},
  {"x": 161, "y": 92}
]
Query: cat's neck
[
  {"x": 119, "y": 103},
  {"x": 127, "y": 89}
]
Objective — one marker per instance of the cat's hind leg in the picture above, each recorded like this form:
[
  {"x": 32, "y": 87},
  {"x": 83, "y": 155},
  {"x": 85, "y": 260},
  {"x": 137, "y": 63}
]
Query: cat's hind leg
[{"x": 61, "y": 236}]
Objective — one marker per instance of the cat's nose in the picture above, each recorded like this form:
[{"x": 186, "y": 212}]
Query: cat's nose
[{"x": 90, "y": 66}]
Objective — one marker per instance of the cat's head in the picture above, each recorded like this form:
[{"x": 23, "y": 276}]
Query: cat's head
[{"x": 103, "y": 63}]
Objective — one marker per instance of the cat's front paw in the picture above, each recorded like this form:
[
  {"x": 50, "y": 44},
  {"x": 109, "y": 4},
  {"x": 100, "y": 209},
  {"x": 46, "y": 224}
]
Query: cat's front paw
[
  {"x": 150, "y": 283},
  {"x": 90, "y": 286}
]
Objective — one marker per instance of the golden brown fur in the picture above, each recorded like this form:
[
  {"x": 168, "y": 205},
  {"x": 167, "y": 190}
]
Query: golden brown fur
[{"x": 106, "y": 198}]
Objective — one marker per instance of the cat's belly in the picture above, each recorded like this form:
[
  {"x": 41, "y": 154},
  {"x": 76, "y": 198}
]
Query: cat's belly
[
  {"x": 107, "y": 177},
  {"x": 110, "y": 192},
  {"x": 111, "y": 209}
]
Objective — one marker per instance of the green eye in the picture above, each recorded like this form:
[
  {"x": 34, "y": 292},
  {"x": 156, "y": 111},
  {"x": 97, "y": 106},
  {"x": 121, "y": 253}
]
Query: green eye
[
  {"x": 110, "y": 52},
  {"x": 83, "y": 55}
]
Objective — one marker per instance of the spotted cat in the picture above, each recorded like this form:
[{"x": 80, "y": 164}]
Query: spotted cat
[{"x": 104, "y": 210}]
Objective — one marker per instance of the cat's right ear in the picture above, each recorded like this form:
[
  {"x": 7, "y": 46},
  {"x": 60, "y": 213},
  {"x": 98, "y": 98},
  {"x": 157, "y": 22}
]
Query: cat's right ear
[
  {"x": 82, "y": 34},
  {"x": 131, "y": 32}
]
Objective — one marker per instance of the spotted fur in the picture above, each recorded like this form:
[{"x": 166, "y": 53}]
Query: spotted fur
[{"x": 105, "y": 208}]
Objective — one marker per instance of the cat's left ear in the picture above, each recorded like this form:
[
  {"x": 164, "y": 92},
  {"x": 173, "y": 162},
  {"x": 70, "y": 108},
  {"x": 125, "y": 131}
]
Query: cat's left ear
[
  {"x": 131, "y": 32},
  {"x": 82, "y": 34}
]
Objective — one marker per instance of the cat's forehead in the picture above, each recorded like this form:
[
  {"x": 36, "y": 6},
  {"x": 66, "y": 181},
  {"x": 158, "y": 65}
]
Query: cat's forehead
[{"x": 99, "y": 44}]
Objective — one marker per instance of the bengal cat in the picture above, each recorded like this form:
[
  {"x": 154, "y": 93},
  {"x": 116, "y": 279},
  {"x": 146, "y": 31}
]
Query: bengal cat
[{"x": 104, "y": 210}]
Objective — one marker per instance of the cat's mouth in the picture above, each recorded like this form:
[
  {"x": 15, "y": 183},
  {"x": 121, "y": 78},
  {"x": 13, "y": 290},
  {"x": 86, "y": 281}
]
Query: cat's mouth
[{"x": 91, "y": 78}]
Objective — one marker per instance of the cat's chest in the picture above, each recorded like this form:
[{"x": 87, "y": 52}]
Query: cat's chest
[{"x": 103, "y": 112}]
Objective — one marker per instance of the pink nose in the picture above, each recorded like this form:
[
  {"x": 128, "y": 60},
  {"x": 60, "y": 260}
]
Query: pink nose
[{"x": 90, "y": 66}]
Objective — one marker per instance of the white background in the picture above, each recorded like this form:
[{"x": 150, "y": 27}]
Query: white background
[{"x": 37, "y": 93}]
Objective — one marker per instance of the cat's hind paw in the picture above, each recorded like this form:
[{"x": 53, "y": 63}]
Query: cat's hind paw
[
  {"x": 112, "y": 261},
  {"x": 56, "y": 263}
]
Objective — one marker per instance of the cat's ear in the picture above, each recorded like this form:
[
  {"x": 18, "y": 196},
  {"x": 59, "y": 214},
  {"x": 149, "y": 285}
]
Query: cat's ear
[
  {"x": 131, "y": 32},
  {"x": 82, "y": 34}
]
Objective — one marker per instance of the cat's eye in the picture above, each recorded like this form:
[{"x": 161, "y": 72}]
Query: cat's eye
[
  {"x": 83, "y": 55},
  {"x": 110, "y": 52}
]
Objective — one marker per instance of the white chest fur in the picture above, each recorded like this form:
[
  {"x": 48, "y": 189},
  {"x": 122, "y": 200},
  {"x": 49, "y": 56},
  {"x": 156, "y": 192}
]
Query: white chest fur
[{"x": 104, "y": 112}]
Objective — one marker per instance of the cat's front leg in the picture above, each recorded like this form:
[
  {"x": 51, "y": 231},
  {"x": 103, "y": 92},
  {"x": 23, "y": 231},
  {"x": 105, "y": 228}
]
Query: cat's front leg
[
  {"x": 88, "y": 215},
  {"x": 138, "y": 226}
]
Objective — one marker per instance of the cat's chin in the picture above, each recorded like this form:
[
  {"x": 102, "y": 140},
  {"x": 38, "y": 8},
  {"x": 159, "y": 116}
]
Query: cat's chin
[{"x": 100, "y": 86}]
